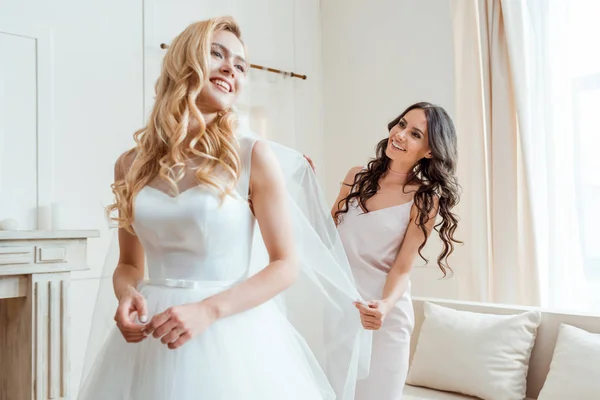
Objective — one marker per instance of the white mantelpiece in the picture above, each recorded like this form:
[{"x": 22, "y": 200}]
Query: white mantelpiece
[{"x": 35, "y": 269}]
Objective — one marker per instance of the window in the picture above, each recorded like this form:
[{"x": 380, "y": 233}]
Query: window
[
  {"x": 586, "y": 106},
  {"x": 583, "y": 65}
]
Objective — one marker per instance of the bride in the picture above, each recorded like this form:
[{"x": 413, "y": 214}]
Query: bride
[{"x": 194, "y": 320}]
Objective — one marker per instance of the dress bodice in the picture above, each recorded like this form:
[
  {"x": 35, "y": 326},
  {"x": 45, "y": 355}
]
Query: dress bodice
[
  {"x": 196, "y": 235},
  {"x": 373, "y": 239}
]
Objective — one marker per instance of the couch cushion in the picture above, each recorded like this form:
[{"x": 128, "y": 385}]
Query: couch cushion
[
  {"x": 575, "y": 368},
  {"x": 419, "y": 393},
  {"x": 483, "y": 355}
]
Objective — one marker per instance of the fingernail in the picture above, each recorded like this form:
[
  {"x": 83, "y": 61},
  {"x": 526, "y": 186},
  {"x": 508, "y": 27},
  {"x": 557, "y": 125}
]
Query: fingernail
[{"x": 143, "y": 319}]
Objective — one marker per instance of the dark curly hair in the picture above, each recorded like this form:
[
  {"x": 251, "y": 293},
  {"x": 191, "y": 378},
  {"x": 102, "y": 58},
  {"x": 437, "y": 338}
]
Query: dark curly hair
[{"x": 435, "y": 177}]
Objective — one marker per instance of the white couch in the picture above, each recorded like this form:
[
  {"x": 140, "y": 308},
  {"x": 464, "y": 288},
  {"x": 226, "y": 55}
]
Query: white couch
[{"x": 541, "y": 355}]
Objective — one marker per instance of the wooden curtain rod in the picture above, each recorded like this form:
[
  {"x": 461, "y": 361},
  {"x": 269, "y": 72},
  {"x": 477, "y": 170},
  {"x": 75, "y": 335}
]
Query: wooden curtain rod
[{"x": 256, "y": 66}]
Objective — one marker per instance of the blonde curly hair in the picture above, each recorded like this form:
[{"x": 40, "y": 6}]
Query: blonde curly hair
[{"x": 166, "y": 142}]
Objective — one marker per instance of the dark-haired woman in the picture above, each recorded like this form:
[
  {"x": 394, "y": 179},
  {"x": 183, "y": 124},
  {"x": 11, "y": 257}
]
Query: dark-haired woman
[{"x": 384, "y": 214}]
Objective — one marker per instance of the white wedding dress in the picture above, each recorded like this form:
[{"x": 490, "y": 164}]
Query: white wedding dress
[{"x": 196, "y": 247}]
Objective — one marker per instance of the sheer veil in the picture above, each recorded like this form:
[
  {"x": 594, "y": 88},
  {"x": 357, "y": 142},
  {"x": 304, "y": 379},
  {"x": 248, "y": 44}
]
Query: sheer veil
[{"x": 319, "y": 304}]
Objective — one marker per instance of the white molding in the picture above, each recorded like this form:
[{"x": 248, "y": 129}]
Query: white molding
[
  {"x": 35, "y": 312},
  {"x": 44, "y": 113},
  {"x": 58, "y": 234}
]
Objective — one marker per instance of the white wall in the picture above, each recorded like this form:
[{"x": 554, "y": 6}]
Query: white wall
[
  {"x": 104, "y": 62},
  {"x": 18, "y": 95},
  {"x": 96, "y": 83},
  {"x": 379, "y": 57}
]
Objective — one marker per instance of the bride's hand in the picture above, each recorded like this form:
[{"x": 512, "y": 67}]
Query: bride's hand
[
  {"x": 178, "y": 324},
  {"x": 372, "y": 314},
  {"x": 131, "y": 305}
]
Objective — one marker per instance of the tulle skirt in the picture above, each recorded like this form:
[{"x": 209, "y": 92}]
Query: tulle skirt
[{"x": 254, "y": 355}]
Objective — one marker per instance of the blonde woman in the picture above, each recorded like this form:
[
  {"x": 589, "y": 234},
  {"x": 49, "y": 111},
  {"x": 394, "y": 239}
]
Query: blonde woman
[{"x": 192, "y": 321}]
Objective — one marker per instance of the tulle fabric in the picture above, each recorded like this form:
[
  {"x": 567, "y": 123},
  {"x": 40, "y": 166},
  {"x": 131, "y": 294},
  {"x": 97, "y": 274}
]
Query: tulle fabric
[{"x": 254, "y": 355}]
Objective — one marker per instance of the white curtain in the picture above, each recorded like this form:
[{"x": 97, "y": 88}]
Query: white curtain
[
  {"x": 566, "y": 40},
  {"x": 552, "y": 82},
  {"x": 498, "y": 261}
]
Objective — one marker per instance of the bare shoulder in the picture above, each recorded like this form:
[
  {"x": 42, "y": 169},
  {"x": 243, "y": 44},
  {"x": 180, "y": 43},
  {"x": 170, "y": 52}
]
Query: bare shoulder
[
  {"x": 262, "y": 155},
  {"x": 351, "y": 175},
  {"x": 264, "y": 170},
  {"x": 123, "y": 163}
]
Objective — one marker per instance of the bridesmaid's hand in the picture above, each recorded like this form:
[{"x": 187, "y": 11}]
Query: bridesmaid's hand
[
  {"x": 176, "y": 325},
  {"x": 311, "y": 162},
  {"x": 131, "y": 305},
  {"x": 372, "y": 313}
]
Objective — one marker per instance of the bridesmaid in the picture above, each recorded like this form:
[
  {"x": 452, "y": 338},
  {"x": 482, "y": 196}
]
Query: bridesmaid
[{"x": 384, "y": 214}]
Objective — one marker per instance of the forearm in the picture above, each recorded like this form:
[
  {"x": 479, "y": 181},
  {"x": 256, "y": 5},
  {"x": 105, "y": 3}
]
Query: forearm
[
  {"x": 125, "y": 278},
  {"x": 268, "y": 283},
  {"x": 395, "y": 286}
]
